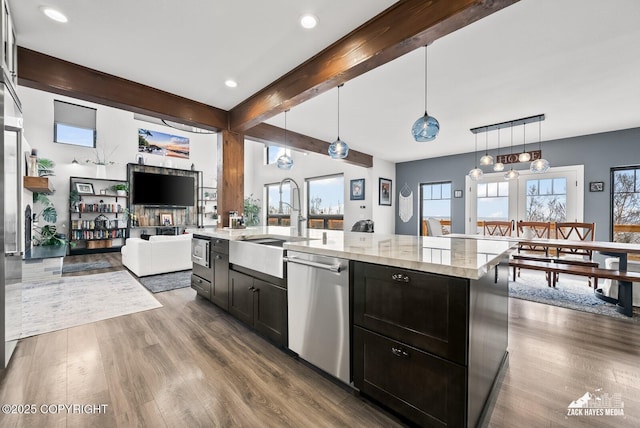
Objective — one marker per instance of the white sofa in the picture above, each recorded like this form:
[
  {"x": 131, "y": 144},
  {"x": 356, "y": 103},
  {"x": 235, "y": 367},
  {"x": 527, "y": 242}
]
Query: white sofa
[
  {"x": 610, "y": 287},
  {"x": 160, "y": 254}
]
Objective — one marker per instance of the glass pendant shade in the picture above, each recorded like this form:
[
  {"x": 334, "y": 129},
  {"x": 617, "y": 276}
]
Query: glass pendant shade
[
  {"x": 285, "y": 162},
  {"x": 540, "y": 165},
  {"x": 511, "y": 175},
  {"x": 524, "y": 157},
  {"x": 475, "y": 174},
  {"x": 486, "y": 160},
  {"x": 426, "y": 128},
  {"x": 338, "y": 149},
  {"x": 498, "y": 166}
]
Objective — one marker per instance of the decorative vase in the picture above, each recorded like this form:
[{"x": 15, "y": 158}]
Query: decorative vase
[{"x": 101, "y": 171}]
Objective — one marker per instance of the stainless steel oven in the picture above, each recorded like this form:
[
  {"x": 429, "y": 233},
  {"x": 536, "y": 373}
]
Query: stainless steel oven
[{"x": 200, "y": 252}]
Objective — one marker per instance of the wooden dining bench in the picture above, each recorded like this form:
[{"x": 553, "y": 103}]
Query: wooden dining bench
[
  {"x": 627, "y": 277},
  {"x": 552, "y": 278}
]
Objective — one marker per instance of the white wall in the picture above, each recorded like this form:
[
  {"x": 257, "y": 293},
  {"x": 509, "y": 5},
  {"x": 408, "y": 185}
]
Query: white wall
[
  {"x": 117, "y": 133},
  {"x": 257, "y": 174}
]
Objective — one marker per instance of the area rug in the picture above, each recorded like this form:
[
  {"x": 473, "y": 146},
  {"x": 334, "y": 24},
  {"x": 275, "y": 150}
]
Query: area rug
[
  {"x": 571, "y": 292},
  {"x": 79, "y": 267},
  {"x": 166, "y": 281},
  {"x": 52, "y": 305}
]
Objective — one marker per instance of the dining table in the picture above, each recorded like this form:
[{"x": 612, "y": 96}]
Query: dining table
[{"x": 621, "y": 250}]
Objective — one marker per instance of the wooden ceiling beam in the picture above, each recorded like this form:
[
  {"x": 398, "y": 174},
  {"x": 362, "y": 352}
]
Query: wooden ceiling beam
[
  {"x": 405, "y": 26},
  {"x": 39, "y": 71},
  {"x": 267, "y": 134}
]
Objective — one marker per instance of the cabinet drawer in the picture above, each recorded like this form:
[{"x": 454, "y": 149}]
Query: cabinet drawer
[
  {"x": 203, "y": 272},
  {"x": 427, "y": 389},
  {"x": 220, "y": 245},
  {"x": 424, "y": 310},
  {"x": 202, "y": 286},
  {"x": 220, "y": 288}
]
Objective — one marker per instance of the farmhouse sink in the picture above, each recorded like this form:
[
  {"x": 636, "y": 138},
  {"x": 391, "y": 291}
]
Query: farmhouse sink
[{"x": 261, "y": 253}]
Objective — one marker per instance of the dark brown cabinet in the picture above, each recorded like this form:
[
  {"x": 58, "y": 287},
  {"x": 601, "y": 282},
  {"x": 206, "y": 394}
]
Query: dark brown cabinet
[
  {"x": 202, "y": 286},
  {"x": 259, "y": 304},
  {"x": 421, "y": 386},
  {"x": 423, "y": 310},
  {"x": 429, "y": 346},
  {"x": 216, "y": 274},
  {"x": 220, "y": 289}
]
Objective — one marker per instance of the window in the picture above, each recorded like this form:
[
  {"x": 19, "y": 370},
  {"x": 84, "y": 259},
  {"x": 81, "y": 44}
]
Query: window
[
  {"x": 278, "y": 214},
  {"x": 325, "y": 202},
  {"x": 625, "y": 204},
  {"x": 274, "y": 152},
  {"x": 74, "y": 124},
  {"x": 546, "y": 199},
  {"x": 436, "y": 202},
  {"x": 493, "y": 200}
]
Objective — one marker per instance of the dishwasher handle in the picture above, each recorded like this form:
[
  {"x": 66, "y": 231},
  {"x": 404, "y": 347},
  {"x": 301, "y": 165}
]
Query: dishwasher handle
[{"x": 332, "y": 268}]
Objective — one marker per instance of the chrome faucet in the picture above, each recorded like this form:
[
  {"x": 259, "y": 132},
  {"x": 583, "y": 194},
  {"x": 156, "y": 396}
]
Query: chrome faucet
[{"x": 280, "y": 202}]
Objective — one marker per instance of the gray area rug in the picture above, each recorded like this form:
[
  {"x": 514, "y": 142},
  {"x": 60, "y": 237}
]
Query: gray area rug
[
  {"x": 571, "y": 292},
  {"x": 52, "y": 305},
  {"x": 79, "y": 267},
  {"x": 167, "y": 281}
]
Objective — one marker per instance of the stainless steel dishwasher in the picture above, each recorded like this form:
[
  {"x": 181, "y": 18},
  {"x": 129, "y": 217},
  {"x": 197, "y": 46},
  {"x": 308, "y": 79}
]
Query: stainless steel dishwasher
[{"x": 318, "y": 304}]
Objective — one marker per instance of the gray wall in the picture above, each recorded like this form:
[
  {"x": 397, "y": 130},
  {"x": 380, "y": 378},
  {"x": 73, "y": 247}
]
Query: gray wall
[{"x": 597, "y": 152}]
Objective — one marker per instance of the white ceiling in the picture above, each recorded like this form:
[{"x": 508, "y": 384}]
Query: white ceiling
[{"x": 574, "y": 60}]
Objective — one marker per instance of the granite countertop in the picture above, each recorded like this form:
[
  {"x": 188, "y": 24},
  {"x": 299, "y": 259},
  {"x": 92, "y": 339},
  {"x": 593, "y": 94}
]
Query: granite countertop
[{"x": 460, "y": 257}]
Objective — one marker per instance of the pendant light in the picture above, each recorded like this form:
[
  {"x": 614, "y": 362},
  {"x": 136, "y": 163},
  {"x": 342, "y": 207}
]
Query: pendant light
[
  {"x": 285, "y": 161},
  {"x": 476, "y": 173},
  {"x": 487, "y": 159},
  {"x": 338, "y": 149},
  {"x": 498, "y": 166},
  {"x": 426, "y": 128},
  {"x": 512, "y": 174},
  {"x": 540, "y": 165},
  {"x": 524, "y": 156}
]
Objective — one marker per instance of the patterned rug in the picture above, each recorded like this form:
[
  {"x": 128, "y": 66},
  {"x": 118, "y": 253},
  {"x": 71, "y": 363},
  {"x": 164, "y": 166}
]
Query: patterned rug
[
  {"x": 571, "y": 292},
  {"x": 166, "y": 281},
  {"x": 71, "y": 301},
  {"x": 79, "y": 267}
]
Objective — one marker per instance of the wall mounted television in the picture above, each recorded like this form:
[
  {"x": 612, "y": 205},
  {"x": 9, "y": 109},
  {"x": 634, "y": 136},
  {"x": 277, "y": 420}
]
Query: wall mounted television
[{"x": 162, "y": 189}]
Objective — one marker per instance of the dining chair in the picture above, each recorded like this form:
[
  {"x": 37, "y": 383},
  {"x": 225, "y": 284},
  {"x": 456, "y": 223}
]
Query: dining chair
[
  {"x": 575, "y": 231},
  {"x": 533, "y": 230},
  {"x": 497, "y": 228}
]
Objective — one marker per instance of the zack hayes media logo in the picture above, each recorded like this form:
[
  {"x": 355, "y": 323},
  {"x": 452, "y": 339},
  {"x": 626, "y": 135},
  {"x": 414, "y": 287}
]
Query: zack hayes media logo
[{"x": 598, "y": 403}]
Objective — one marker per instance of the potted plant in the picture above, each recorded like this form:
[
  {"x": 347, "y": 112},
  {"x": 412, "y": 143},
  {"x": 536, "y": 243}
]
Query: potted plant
[
  {"x": 74, "y": 199},
  {"x": 121, "y": 189},
  {"x": 252, "y": 211}
]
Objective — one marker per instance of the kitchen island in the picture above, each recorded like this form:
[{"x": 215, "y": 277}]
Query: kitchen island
[{"x": 428, "y": 318}]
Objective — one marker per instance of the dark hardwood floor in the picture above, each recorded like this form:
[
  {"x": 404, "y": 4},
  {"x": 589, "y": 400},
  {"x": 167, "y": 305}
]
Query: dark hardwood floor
[{"x": 190, "y": 364}]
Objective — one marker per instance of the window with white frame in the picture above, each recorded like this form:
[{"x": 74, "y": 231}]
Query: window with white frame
[
  {"x": 325, "y": 202},
  {"x": 74, "y": 124}
]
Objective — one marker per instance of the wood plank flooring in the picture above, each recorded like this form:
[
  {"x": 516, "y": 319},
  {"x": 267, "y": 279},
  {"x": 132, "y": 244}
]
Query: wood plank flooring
[{"x": 190, "y": 364}]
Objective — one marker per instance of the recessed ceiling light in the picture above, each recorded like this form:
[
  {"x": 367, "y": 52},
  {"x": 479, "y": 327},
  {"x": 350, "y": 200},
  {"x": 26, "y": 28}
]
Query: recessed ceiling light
[
  {"x": 54, "y": 14},
  {"x": 231, "y": 83},
  {"x": 308, "y": 21}
]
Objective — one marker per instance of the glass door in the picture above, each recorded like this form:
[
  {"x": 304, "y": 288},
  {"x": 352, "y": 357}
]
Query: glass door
[{"x": 557, "y": 195}]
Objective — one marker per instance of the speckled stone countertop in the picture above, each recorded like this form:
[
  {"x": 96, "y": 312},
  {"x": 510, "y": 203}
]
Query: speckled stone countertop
[{"x": 459, "y": 257}]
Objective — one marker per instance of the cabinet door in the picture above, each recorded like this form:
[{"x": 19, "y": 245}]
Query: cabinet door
[
  {"x": 241, "y": 296},
  {"x": 428, "y": 390},
  {"x": 220, "y": 291},
  {"x": 270, "y": 311},
  {"x": 424, "y": 310}
]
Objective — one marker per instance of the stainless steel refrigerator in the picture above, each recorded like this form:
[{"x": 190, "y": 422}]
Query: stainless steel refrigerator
[{"x": 11, "y": 224}]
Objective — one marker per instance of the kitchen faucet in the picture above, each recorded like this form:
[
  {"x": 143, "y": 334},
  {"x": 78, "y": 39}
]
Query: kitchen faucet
[{"x": 280, "y": 202}]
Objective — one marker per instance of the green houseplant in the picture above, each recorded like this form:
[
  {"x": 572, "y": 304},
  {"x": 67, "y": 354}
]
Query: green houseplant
[
  {"x": 121, "y": 189},
  {"x": 252, "y": 211}
]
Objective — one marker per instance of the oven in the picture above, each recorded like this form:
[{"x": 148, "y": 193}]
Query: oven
[{"x": 200, "y": 252}]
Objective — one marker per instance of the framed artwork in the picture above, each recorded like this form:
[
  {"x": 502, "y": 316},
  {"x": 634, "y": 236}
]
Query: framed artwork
[
  {"x": 166, "y": 219},
  {"x": 84, "y": 188},
  {"x": 596, "y": 186},
  {"x": 457, "y": 193},
  {"x": 159, "y": 143},
  {"x": 356, "y": 192},
  {"x": 384, "y": 191}
]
